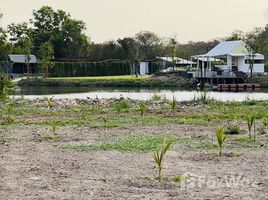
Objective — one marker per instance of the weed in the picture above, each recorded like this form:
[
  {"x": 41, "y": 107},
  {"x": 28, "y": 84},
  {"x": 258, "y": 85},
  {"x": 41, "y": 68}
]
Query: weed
[
  {"x": 94, "y": 110},
  {"x": 4, "y": 139},
  {"x": 233, "y": 130},
  {"x": 105, "y": 121},
  {"x": 121, "y": 105},
  {"x": 54, "y": 125},
  {"x": 242, "y": 139},
  {"x": 140, "y": 143},
  {"x": 261, "y": 131},
  {"x": 159, "y": 157},
  {"x": 7, "y": 120},
  {"x": 49, "y": 137},
  {"x": 155, "y": 97},
  {"x": 179, "y": 178},
  {"x": 50, "y": 102},
  {"x": 173, "y": 105},
  {"x": 250, "y": 121},
  {"x": 221, "y": 137},
  {"x": 265, "y": 121},
  {"x": 142, "y": 109}
]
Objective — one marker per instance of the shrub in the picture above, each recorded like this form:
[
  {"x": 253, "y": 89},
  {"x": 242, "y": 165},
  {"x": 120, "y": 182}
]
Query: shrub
[
  {"x": 121, "y": 105},
  {"x": 156, "y": 97},
  {"x": 143, "y": 109},
  {"x": 233, "y": 130}
]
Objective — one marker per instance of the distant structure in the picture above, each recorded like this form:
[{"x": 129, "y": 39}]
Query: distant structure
[
  {"x": 179, "y": 62},
  {"x": 19, "y": 64},
  {"x": 232, "y": 56}
]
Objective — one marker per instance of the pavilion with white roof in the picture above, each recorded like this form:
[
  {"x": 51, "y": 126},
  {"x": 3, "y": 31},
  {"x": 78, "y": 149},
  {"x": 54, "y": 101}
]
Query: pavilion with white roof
[{"x": 234, "y": 55}]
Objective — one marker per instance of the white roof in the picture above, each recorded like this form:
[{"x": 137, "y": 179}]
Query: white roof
[
  {"x": 233, "y": 48},
  {"x": 176, "y": 59},
  {"x": 205, "y": 59},
  {"x": 20, "y": 58}
]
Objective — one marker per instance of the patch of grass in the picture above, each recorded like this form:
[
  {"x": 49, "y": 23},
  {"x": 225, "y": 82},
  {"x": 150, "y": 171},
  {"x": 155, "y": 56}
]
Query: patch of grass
[
  {"x": 141, "y": 143},
  {"x": 155, "y": 97},
  {"x": 50, "y": 138},
  {"x": 242, "y": 138},
  {"x": 233, "y": 129},
  {"x": 4, "y": 139},
  {"x": 179, "y": 179},
  {"x": 121, "y": 106}
]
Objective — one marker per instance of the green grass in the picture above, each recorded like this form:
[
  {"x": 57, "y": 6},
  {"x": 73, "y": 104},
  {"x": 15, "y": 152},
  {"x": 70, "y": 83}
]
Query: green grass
[
  {"x": 142, "y": 143},
  {"x": 123, "y": 144},
  {"x": 4, "y": 139},
  {"x": 102, "y": 78}
]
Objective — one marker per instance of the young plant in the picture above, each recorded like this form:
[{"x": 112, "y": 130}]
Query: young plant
[
  {"x": 159, "y": 158},
  {"x": 54, "y": 126},
  {"x": 250, "y": 122},
  {"x": 173, "y": 105},
  {"x": 105, "y": 121},
  {"x": 50, "y": 102},
  {"x": 143, "y": 109},
  {"x": 221, "y": 137},
  {"x": 156, "y": 97},
  {"x": 121, "y": 105}
]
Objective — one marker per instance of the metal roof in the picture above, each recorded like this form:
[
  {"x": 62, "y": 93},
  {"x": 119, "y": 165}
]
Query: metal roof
[
  {"x": 237, "y": 47},
  {"x": 20, "y": 58},
  {"x": 177, "y": 60}
]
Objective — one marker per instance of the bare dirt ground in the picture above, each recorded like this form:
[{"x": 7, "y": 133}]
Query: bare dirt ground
[{"x": 31, "y": 168}]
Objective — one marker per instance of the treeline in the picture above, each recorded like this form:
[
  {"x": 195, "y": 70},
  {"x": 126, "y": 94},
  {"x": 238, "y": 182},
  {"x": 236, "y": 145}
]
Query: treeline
[{"x": 53, "y": 35}]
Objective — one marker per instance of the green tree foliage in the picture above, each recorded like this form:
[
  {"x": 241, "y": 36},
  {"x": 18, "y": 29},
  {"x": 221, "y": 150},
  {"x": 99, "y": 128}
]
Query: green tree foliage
[
  {"x": 5, "y": 86},
  {"x": 46, "y": 54},
  {"x": 148, "y": 42},
  {"x": 64, "y": 33},
  {"x": 18, "y": 34},
  {"x": 5, "y": 47}
]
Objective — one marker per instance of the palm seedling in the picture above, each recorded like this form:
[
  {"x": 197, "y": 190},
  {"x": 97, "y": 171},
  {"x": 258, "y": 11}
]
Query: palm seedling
[
  {"x": 50, "y": 102},
  {"x": 53, "y": 125},
  {"x": 250, "y": 122},
  {"x": 159, "y": 158},
  {"x": 143, "y": 109},
  {"x": 105, "y": 121},
  {"x": 173, "y": 105},
  {"x": 221, "y": 137}
]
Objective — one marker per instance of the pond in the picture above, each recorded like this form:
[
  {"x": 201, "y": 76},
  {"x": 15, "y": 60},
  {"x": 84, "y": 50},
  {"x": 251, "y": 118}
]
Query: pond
[{"x": 31, "y": 92}]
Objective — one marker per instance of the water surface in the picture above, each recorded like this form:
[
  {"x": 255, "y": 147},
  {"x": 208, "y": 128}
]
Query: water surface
[{"x": 132, "y": 93}]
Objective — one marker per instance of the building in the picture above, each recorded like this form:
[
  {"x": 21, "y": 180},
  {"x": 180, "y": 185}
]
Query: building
[
  {"x": 179, "y": 62},
  {"x": 19, "y": 63},
  {"x": 232, "y": 56}
]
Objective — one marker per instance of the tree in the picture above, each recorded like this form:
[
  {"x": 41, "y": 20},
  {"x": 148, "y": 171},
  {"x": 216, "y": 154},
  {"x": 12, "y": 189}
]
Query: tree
[
  {"x": 27, "y": 49},
  {"x": 46, "y": 56},
  {"x": 64, "y": 33},
  {"x": 18, "y": 32},
  {"x": 77, "y": 43},
  {"x": 252, "y": 44},
  {"x": 173, "y": 44},
  {"x": 5, "y": 47},
  {"x": 131, "y": 50},
  {"x": 148, "y": 42},
  {"x": 236, "y": 35}
]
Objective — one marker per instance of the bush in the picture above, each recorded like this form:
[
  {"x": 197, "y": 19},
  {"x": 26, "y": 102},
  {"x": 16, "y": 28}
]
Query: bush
[{"x": 233, "y": 130}]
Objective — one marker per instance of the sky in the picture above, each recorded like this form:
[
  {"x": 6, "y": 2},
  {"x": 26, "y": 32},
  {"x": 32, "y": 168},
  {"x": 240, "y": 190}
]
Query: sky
[{"x": 188, "y": 20}]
